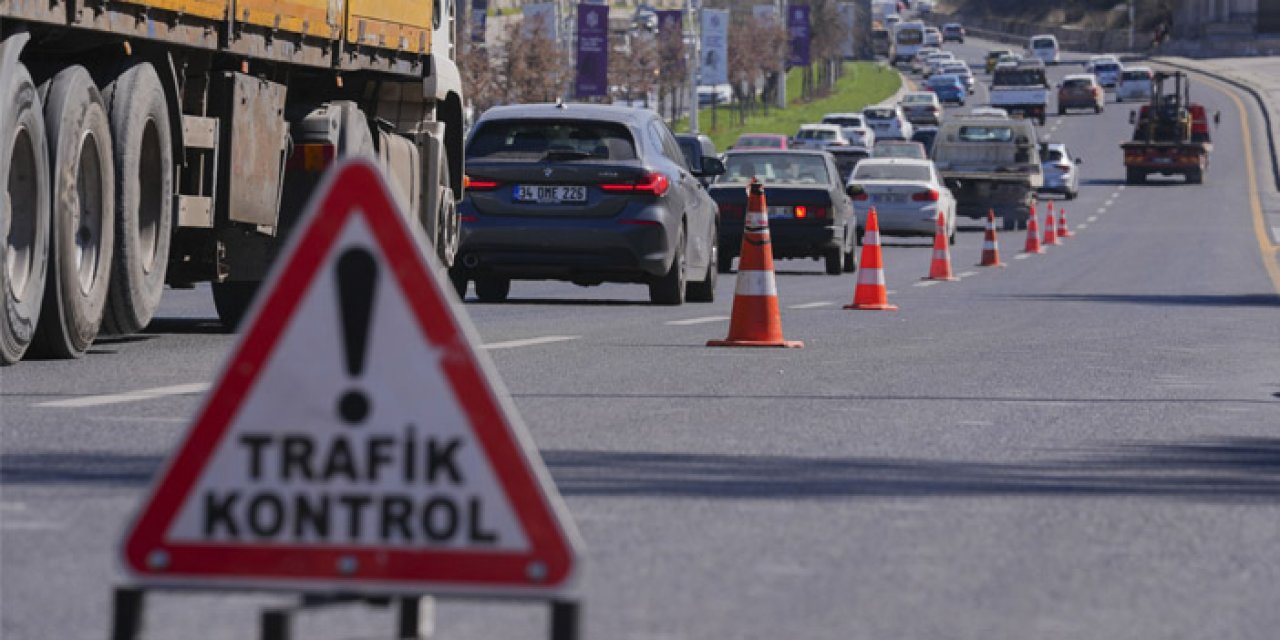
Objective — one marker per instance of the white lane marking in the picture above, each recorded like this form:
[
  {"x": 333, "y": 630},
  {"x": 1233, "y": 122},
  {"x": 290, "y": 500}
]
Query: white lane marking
[
  {"x": 1102, "y": 209},
  {"x": 1093, "y": 218},
  {"x": 1120, "y": 188},
  {"x": 975, "y": 423},
  {"x": 1083, "y": 225},
  {"x": 926, "y": 283},
  {"x": 891, "y": 292},
  {"x": 527, "y": 342},
  {"x": 1022, "y": 256},
  {"x": 1108, "y": 203},
  {"x": 682, "y": 323},
  {"x": 811, "y": 305},
  {"x": 30, "y": 526},
  {"x": 966, "y": 274},
  {"x": 128, "y": 396},
  {"x": 138, "y": 419}
]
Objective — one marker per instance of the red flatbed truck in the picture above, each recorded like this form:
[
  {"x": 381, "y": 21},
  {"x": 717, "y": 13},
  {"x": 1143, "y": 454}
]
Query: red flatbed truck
[{"x": 1170, "y": 134}]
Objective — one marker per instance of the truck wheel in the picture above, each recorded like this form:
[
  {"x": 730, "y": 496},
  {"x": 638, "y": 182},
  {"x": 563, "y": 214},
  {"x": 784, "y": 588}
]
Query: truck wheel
[
  {"x": 448, "y": 222},
  {"x": 144, "y": 197},
  {"x": 1062, "y": 111},
  {"x": 1195, "y": 176},
  {"x": 1133, "y": 176},
  {"x": 232, "y": 300},
  {"x": 24, "y": 166},
  {"x": 83, "y": 227}
]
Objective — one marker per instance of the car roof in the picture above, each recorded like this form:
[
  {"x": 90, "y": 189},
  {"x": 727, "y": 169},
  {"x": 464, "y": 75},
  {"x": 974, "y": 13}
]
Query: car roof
[
  {"x": 951, "y": 24},
  {"x": 843, "y": 114},
  {"x": 762, "y": 135},
  {"x": 569, "y": 110},
  {"x": 945, "y": 77},
  {"x": 1078, "y": 76},
  {"x": 820, "y": 126},
  {"x": 1060, "y": 146},
  {"x": 774, "y": 152}
]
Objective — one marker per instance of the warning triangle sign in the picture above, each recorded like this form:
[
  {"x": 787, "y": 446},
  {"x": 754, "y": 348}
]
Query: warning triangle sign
[{"x": 356, "y": 439}]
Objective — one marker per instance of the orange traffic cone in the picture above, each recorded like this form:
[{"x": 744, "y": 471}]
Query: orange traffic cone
[
  {"x": 871, "y": 292},
  {"x": 1033, "y": 234},
  {"x": 1050, "y": 228},
  {"x": 940, "y": 266},
  {"x": 990, "y": 247},
  {"x": 1063, "y": 231},
  {"x": 755, "y": 321}
]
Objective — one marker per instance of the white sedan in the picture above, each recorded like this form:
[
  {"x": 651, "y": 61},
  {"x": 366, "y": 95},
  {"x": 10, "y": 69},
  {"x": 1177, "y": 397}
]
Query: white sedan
[
  {"x": 889, "y": 123},
  {"x": 907, "y": 194}
]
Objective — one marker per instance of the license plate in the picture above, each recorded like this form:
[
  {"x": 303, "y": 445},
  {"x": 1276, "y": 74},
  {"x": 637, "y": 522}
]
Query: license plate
[
  {"x": 889, "y": 197},
  {"x": 780, "y": 212},
  {"x": 547, "y": 194},
  {"x": 1164, "y": 160}
]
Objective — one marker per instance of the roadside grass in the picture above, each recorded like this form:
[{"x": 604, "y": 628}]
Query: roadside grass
[{"x": 863, "y": 83}]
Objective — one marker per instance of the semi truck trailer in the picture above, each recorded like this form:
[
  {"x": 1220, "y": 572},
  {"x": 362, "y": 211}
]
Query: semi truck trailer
[{"x": 147, "y": 144}]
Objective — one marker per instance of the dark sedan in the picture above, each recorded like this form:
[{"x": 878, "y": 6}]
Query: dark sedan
[
  {"x": 809, "y": 214},
  {"x": 587, "y": 194}
]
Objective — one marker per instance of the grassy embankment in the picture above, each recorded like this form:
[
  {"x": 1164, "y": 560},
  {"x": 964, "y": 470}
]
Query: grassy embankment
[{"x": 863, "y": 83}]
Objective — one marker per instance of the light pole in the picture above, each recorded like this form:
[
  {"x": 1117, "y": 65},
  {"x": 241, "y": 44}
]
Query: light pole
[
  {"x": 782, "y": 76},
  {"x": 694, "y": 9},
  {"x": 1131, "y": 25}
]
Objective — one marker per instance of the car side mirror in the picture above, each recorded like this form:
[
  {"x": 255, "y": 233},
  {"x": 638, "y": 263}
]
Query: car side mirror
[
  {"x": 854, "y": 190},
  {"x": 712, "y": 166},
  {"x": 1133, "y": 117}
]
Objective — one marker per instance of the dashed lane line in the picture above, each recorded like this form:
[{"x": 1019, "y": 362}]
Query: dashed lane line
[
  {"x": 926, "y": 283},
  {"x": 1102, "y": 209},
  {"x": 811, "y": 305},
  {"x": 1023, "y": 256},
  {"x": 527, "y": 342},
  {"x": 703, "y": 320},
  {"x": 1082, "y": 225},
  {"x": 1092, "y": 218},
  {"x": 127, "y": 396},
  {"x": 966, "y": 274}
]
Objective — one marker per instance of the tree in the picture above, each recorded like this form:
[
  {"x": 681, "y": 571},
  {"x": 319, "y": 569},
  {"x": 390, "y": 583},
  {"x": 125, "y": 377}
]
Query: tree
[{"x": 534, "y": 68}]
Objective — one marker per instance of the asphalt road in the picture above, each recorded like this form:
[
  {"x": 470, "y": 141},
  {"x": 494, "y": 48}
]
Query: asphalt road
[{"x": 1080, "y": 445}]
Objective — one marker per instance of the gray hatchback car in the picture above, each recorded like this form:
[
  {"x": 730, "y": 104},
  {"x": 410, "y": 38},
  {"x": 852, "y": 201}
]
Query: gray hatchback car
[{"x": 588, "y": 194}]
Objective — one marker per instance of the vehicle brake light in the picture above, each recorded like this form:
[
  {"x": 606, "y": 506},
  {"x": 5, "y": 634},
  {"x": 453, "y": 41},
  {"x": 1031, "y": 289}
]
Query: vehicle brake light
[
  {"x": 801, "y": 212},
  {"x": 654, "y": 184},
  {"x": 478, "y": 184},
  {"x": 931, "y": 195},
  {"x": 312, "y": 158},
  {"x": 819, "y": 213},
  {"x": 862, "y": 196},
  {"x": 469, "y": 218},
  {"x": 1062, "y": 167}
]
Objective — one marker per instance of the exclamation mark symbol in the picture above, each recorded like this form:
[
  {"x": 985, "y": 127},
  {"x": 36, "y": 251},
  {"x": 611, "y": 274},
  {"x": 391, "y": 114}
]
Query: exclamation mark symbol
[{"x": 357, "y": 276}]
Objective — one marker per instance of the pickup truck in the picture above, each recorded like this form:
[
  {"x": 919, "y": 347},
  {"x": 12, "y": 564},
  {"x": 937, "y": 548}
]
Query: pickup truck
[
  {"x": 990, "y": 163},
  {"x": 1021, "y": 89}
]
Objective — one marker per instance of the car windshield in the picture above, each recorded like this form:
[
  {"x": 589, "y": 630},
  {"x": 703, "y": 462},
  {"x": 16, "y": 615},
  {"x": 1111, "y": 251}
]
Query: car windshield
[
  {"x": 551, "y": 140},
  {"x": 918, "y": 98},
  {"x": 758, "y": 141},
  {"x": 879, "y": 114},
  {"x": 1077, "y": 83},
  {"x": 943, "y": 80},
  {"x": 877, "y": 171},
  {"x": 1052, "y": 155},
  {"x": 976, "y": 133},
  {"x": 844, "y": 121},
  {"x": 1107, "y": 67},
  {"x": 910, "y": 36},
  {"x": 900, "y": 150},
  {"x": 778, "y": 168},
  {"x": 1042, "y": 43}
]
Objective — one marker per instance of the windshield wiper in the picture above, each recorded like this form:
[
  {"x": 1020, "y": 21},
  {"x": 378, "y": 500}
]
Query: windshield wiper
[{"x": 565, "y": 154}]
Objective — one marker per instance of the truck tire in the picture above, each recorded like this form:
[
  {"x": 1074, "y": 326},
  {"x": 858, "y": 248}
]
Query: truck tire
[
  {"x": 24, "y": 166},
  {"x": 1195, "y": 176},
  {"x": 139, "y": 117},
  {"x": 834, "y": 261},
  {"x": 492, "y": 288},
  {"x": 1133, "y": 176},
  {"x": 448, "y": 222},
  {"x": 83, "y": 227},
  {"x": 232, "y": 299}
]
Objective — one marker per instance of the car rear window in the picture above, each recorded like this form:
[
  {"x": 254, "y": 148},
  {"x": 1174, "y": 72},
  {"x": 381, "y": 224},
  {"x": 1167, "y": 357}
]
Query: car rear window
[
  {"x": 1077, "y": 83},
  {"x": 943, "y": 80},
  {"x": 1108, "y": 67},
  {"x": 1018, "y": 77},
  {"x": 779, "y": 168},
  {"x": 1135, "y": 75},
  {"x": 879, "y": 114},
  {"x": 844, "y": 121},
  {"x": 816, "y": 134},
  {"x": 537, "y": 139},
  {"x": 868, "y": 171},
  {"x": 1042, "y": 43},
  {"x": 975, "y": 133},
  {"x": 1052, "y": 155}
]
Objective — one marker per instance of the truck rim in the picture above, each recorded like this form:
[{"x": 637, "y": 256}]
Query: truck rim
[
  {"x": 23, "y": 195},
  {"x": 151, "y": 204},
  {"x": 89, "y": 213}
]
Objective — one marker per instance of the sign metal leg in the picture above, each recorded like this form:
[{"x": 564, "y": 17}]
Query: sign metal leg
[
  {"x": 126, "y": 614},
  {"x": 564, "y": 620},
  {"x": 275, "y": 624}
]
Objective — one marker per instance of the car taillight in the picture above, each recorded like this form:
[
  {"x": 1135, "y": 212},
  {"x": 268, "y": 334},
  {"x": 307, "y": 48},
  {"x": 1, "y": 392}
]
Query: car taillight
[
  {"x": 469, "y": 218},
  {"x": 862, "y": 197},
  {"x": 654, "y": 184},
  {"x": 1096, "y": 91},
  {"x": 1062, "y": 167},
  {"x": 931, "y": 195},
  {"x": 479, "y": 184},
  {"x": 312, "y": 158},
  {"x": 731, "y": 210}
]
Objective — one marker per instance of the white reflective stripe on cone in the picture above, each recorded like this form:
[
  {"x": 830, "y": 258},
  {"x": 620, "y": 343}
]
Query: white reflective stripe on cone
[
  {"x": 756, "y": 283},
  {"x": 757, "y": 219},
  {"x": 989, "y": 244},
  {"x": 940, "y": 254},
  {"x": 871, "y": 237},
  {"x": 871, "y": 276}
]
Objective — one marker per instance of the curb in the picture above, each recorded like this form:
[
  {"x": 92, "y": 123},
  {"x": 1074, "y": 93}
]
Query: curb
[{"x": 1268, "y": 118}]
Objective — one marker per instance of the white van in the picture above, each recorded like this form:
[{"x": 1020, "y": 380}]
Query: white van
[
  {"x": 908, "y": 37},
  {"x": 1044, "y": 47},
  {"x": 1135, "y": 84}
]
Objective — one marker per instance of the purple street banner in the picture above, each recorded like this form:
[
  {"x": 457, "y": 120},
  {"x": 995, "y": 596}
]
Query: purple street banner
[
  {"x": 798, "y": 31},
  {"x": 479, "y": 13},
  {"x": 670, "y": 21},
  {"x": 593, "y": 51}
]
